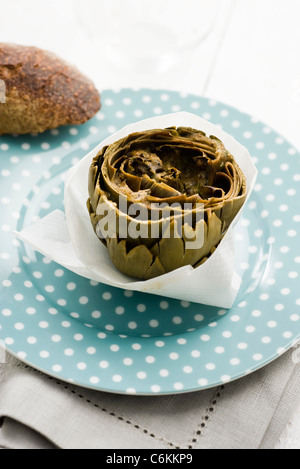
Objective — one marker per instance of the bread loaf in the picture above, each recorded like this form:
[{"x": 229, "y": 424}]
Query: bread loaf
[{"x": 42, "y": 92}]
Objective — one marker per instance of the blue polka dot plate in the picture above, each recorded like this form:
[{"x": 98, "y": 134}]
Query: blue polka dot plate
[{"x": 127, "y": 342}]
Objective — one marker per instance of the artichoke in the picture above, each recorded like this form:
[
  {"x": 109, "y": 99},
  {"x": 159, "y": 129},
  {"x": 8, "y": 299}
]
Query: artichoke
[{"x": 134, "y": 182}]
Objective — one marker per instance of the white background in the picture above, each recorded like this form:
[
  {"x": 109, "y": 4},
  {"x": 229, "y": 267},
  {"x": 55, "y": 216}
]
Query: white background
[{"x": 250, "y": 61}]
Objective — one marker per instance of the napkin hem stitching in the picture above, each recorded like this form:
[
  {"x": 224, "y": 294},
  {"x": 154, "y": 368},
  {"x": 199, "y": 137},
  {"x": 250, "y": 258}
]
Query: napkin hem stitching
[
  {"x": 112, "y": 414},
  {"x": 198, "y": 433}
]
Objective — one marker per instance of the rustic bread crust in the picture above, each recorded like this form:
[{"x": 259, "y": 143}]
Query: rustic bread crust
[{"x": 42, "y": 91}]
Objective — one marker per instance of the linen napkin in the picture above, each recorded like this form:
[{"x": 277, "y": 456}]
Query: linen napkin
[{"x": 38, "y": 411}]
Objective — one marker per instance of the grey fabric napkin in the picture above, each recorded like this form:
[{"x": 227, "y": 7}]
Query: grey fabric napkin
[{"x": 42, "y": 412}]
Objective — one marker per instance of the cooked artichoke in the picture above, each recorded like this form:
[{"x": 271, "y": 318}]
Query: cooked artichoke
[{"x": 177, "y": 167}]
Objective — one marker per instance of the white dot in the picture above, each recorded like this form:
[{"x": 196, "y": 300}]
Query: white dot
[
  {"x": 285, "y": 291},
  {"x": 25, "y": 146},
  {"x": 49, "y": 288},
  {"x": 235, "y": 318},
  {"x": 174, "y": 356},
  {"x": 57, "y": 368},
  {"x": 154, "y": 323},
  {"x": 195, "y": 105},
  {"x": 199, "y": 318},
  {"x": 96, "y": 314},
  {"x": 242, "y": 346},
  {"x": 59, "y": 273},
  {"x": 32, "y": 340},
  {"x": 61, "y": 302},
  {"x": 6, "y": 283},
  {"x": 283, "y": 208},
  {"x": 294, "y": 317},
  {"x": 120, "y": 310},
  {"x": 195, "y": 354},
  {"x": 19, "y": 297},
  {"x": 119, "y": 115},
  {"x": 136, "y": 346},
  {"x": 225, "y": 378},
  {"x": 111, "y": 129},
  {"x": 202, "y": 382},
  {"x": 138, "y": 113},
  {"x": 181, "y": 341},
  {"x": 141, "y": 375},
  {"x": 56, "y": 338},
  {"x": 210, "y": 366},
  {"x": 279, "y": 140},
  {"x": 6, "y": 312},
  {"x": 81, "y": 366},
  {"x": 37, "y": 275},
  {"x": 260, "y": 145},
  {"x": 150, "y": 360},
  {"x": 19, "y": 326},
  {"x": 71, "y": 286},
  {"x": 236, "y": 124},
  {"x": 178, "y": 386},
  {"x": 292, "y": 233},
  {"x": 127, "y": 101},
  {"x": 159, "y": 343},
  {"x": 117, "y": 378},
  {"x": 104, "y": 364},
  {"x": 293, "y": 275},
  {"x": 44, "y": 354},
  {"x": 205, "y": 338},
  {"x": 266, "y": 340},
  {"x": 188, "y": 369},
  {"x": 256, "y": 313},
  {"x": 83, "y": 300},
  {"x": 272, "y": 324},
  {"x": 131, "y": 391},
  {"x": 287, "y": 335},
  {"x": 219, "y": 350},
  {"x": 94, "y": 380},
  {"x": 235, "y": 361},
  {"x": 164, "y": 305},
  {"x": 164, "y": 373},
  {"x": 141, "y": 308},
  {"x": 78, "y": 337},
  {"x": 146, "y": 99},
  {"x": 177, "y": 320},
  {"x": 69, "y": 352},
  {"x": 43, "y": 324},
  {"x": 114, "y": 348},
  {"x": 264, "y": 297},
  {"x": 128, "y": 361},
  {"x": 227, "y": 334},
  {"x": 250, "y": 329}
]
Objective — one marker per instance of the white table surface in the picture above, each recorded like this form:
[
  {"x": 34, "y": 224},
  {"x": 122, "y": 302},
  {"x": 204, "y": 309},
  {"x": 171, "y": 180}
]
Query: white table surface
[{"x": 250, "y": 61}]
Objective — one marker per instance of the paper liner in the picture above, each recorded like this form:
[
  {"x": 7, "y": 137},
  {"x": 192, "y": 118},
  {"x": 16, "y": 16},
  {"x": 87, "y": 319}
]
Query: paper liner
[{"x": 70, "y": 240}]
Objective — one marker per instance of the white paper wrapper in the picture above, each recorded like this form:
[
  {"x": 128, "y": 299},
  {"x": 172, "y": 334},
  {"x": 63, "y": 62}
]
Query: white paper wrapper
[{"x": 70, "y": 240}]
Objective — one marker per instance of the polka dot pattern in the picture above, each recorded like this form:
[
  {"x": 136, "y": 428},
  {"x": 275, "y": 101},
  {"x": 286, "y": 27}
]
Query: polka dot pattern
[{"x": 128, "y": 342}]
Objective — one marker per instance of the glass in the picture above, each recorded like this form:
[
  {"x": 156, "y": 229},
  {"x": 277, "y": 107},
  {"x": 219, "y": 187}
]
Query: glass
[{"x": 146, "y": 35}]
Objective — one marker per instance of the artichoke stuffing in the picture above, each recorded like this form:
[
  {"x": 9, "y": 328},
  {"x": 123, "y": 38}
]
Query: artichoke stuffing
[{"x": 163, "y": 199}]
